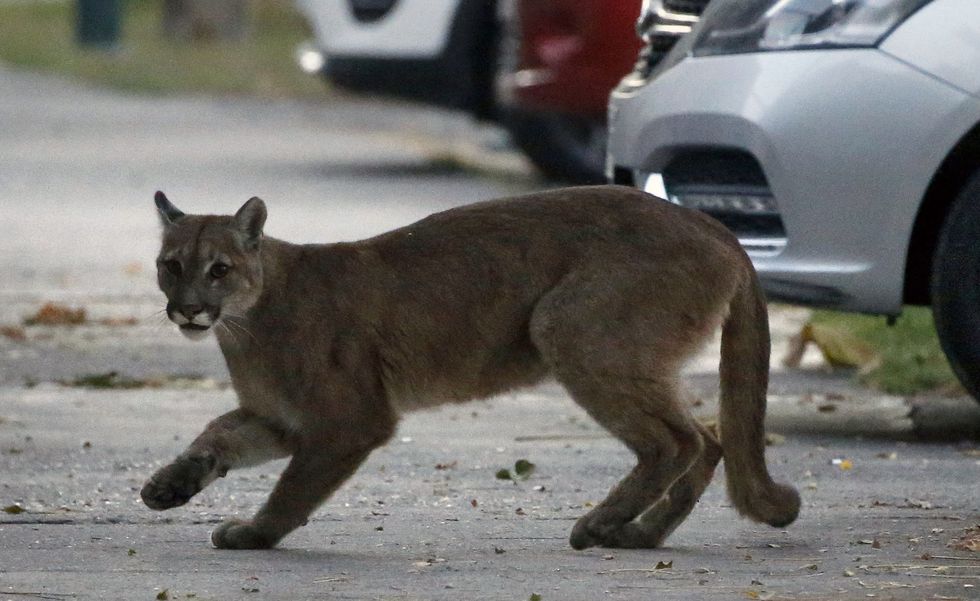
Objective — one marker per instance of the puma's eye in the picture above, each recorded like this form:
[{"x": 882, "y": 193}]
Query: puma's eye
[
  {"x": 173, "y": 266},
  {"x": 218, "y": 270}
]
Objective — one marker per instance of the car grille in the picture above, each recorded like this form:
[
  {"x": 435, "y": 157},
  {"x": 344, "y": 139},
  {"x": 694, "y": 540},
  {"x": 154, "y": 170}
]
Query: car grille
[
  {"x": 691, "y": 7},
  {"x": 673, "y": 19},
  {"x": 368, "y": 11}
]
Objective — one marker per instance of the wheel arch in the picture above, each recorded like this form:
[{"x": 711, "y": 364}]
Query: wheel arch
[{"x": 953, "y": 173}]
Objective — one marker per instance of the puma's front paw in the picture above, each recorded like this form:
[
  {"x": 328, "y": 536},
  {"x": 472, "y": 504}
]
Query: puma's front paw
[
  {"x": 175, "y": 484},
  {"x": 238, "y": 534}
]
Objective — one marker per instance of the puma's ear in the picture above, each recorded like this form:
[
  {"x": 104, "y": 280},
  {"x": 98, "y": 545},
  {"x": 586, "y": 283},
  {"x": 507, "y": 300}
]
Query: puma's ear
[
  {"x": 250, "y": 219},
  {"x": 169, "y": 214}
]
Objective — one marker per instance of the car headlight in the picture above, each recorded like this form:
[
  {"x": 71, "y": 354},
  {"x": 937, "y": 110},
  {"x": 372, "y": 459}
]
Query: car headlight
[{"x": 736, "y": 26}]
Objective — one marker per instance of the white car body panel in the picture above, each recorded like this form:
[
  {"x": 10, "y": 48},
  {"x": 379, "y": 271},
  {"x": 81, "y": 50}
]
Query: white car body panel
[
  {"x": 953, "y": 38},
  {"x": 413, "y": 28}
]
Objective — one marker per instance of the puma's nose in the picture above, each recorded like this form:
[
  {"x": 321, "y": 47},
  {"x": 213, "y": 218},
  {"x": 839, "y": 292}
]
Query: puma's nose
[{"x": 190, "y": 311}]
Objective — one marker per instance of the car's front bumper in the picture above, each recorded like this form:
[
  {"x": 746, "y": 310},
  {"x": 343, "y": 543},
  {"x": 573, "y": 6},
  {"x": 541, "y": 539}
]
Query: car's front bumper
[{"x": 847, "y": 141}]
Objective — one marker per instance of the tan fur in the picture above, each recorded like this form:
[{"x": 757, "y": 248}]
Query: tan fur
[{"x": 605, "y": 288}]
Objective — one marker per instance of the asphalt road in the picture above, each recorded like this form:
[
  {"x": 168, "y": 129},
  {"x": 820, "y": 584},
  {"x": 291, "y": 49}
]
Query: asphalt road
[{"x": 425, "y": 518}]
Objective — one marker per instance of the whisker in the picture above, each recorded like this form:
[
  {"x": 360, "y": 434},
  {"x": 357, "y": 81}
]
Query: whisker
[
  {"x": 231, "y": 321},
  {"x": 230, "y": 332}
]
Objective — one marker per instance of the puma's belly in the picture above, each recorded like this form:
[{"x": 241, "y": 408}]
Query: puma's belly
[{"x": 423, "y": 382}]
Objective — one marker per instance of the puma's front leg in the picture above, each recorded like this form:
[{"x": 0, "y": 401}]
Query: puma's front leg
[
  {"x": 321, "y": 463},
  {"x": 236, "y": 439},
  {"x": 311, "y": 476}
]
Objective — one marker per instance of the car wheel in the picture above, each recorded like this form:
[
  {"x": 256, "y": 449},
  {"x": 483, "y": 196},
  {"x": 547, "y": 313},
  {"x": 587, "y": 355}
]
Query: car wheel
[
  {"x": 956, "y": 286},
  {"x": 563, "y": 147}
]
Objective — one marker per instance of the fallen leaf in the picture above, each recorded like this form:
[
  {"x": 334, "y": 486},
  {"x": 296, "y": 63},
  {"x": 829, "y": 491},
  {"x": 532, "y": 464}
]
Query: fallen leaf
[
  {"x": 752, "y": 594},
  {"x": 848, "y": 572},
  {"x": 890, "y": 456},
  {"x": 14, "y": 509},
  {"x": 106, "y": 380},
  {"x": 503, "y": 474},
  {"x": 131, "y": 552},
  {"x": 876, "y": 544},
  {"x": 446, "y": 466},
  {"x": 664, "y": 565},
  {"x": 163, "y": 595},
  {"x": 970, "y": 541},
  {"x": 499, "y": 551},
  {"x": 534, "y": 597},
  {"x": 840, "y": 348},
  {"x": 13, "y": 333},
  {"x": 473, "y": 503},
  {"x": 827, "y": 408},
  {"x": 843, "y": 464},
  {"x": 54, "y": 314},
  {"x": 523, "y": 468}
]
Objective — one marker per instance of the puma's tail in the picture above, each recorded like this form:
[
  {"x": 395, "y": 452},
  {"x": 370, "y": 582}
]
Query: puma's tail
[{"x": 744, "y": 380}]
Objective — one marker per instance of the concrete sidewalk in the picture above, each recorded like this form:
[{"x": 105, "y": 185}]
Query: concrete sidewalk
[{"x": 426, "y": 518}]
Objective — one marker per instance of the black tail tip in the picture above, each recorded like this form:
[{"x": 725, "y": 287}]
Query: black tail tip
[{"x": 160, "y": 196}]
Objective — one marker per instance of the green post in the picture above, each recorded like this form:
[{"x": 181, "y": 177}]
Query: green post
[{"x": 98, "y": 23}]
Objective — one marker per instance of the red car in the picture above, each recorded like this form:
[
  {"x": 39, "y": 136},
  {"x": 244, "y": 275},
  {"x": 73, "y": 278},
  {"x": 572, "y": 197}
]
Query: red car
[
  {"x": 560, "y": 60},
  {"x": 542, "y": 68}
]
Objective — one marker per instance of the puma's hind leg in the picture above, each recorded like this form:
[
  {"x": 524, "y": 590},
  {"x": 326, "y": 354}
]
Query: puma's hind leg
[
  {"x": 655, "y": 524},
  {"x": 617, "y": 348},
  {"x": 666, "y": 445}
]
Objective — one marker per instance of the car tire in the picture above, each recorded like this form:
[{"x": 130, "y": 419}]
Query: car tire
[
  {"x": 563, "y": 147},
  {"x": 955, "y": 286}
]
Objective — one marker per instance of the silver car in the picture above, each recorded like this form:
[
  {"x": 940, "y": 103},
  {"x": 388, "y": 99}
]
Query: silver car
[{"x": 839, "y": 139}]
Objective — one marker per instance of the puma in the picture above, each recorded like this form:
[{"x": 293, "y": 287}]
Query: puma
[{"x": 605, "y": 288}]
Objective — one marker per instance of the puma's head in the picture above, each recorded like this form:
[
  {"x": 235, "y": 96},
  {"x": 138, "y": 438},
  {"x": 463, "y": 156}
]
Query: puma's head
[{"x": 209, "y": 266}]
